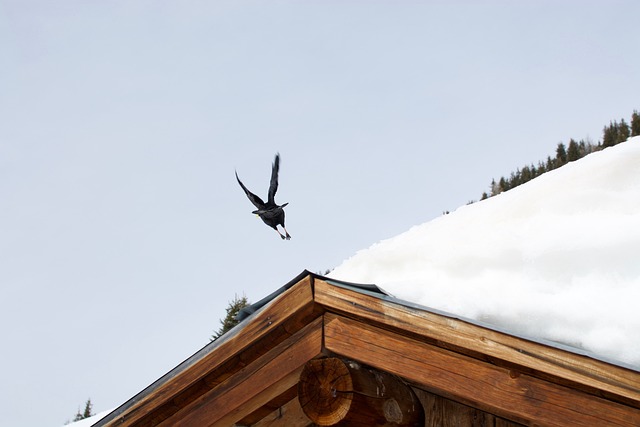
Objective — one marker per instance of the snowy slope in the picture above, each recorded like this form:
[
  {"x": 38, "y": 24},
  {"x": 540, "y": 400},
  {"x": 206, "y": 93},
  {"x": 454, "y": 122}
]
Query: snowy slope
[{"x": 557, "y": 258}]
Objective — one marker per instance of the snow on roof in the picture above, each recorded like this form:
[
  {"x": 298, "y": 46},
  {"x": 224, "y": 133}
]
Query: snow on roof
[
  {"x": 554, "y": 259},
  {"x": 88, "y": 422}
]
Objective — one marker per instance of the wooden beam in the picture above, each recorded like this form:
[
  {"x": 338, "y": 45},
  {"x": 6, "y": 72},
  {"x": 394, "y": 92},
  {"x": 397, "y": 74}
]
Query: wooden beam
[
  {"x": 494, "y": 389},
  {"x": 274, "y": 406},
  {"x": 443, "y": 412},
  {"x": 601, "y": 378},
  {"x": 255, "y": 385},
  {"x": 335, "y": 392},
  {"x": 288, "y": 415},
  {"x": 271, "y": 325}
]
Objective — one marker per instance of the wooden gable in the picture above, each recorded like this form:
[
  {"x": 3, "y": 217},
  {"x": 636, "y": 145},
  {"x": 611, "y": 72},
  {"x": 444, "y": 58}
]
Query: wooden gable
[{"x": 462, "y": 373}]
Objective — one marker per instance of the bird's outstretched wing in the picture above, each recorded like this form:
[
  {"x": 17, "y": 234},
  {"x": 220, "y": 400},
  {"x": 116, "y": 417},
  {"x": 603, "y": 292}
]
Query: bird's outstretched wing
[
  {"x": 273, "y": 186},
  {"x": 257, "y": 201}
]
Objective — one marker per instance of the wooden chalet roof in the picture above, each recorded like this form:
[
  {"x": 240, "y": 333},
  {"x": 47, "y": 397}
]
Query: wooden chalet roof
[{"x": 250, "y": 376}]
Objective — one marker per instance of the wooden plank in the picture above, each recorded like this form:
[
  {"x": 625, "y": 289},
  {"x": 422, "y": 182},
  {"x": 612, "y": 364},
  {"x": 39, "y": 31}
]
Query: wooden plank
[
  {"x": 612, "y": 381},
  {"x": 288, "y": 415},
  {"x": 196, "y": 379},
  {"x": 270, "y": 408},
  {"x": 494, "y": 389},
  {"x": 501, "y": 422},
  {"x": 255, "y": 385},
  {"x": 442, "y": 412}
]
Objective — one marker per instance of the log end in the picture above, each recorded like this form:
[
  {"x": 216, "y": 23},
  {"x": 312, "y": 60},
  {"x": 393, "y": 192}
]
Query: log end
[
  {"x": 325, "y": 391},
  {"x": 334, "y": 392}
]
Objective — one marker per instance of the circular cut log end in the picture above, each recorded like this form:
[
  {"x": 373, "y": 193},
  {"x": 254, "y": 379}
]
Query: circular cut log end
[
  {"x": 324, "y": 391},
  {"x": 334, "y": 392}
]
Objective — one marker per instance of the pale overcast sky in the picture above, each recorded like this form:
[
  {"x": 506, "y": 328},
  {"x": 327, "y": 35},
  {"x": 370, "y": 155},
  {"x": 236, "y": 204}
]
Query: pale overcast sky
[{"x": 123, "y": 233}]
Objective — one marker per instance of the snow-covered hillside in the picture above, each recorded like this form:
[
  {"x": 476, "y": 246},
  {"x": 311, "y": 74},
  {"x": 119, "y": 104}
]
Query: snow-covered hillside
[{"x": 557, "y": 258}]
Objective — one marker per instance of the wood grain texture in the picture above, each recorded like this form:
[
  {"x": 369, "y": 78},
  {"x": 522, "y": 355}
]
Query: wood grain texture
[
  {"x": 336, "y": 392},
  {"x": 277, "y": 321},
  {"x": 443, "y": 412},
  {"x": 497, "y": 390},
  {"x": 251, "y": 375},
  {"x": 273, "y": 406},
  {"x": 595, "y": 376},
  {"x": 288, "y": 415},
  {"x": 256, "y": 385}
]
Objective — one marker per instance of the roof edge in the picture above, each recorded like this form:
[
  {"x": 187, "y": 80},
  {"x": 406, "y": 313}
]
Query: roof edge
[{"x": 250, "y": 309}]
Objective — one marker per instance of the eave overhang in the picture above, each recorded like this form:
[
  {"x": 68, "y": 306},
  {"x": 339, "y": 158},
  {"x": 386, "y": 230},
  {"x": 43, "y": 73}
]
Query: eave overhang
[{"x": 254, "y": 369}]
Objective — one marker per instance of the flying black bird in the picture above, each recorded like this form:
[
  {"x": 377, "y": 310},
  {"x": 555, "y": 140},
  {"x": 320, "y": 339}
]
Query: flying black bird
[{"x": 271, "y": 213}]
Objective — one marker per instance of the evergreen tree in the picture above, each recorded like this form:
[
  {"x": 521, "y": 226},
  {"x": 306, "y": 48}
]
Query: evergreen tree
[
  {"x": 635, "y": 123},
  {"x": 542, "y": 168},
  {"x": 561, "y": 155},
  {"x": 583, "y": 148},
  {"x": 550, "y": 164},
  {"x": 573, "y": 152},
  {"x": 526, "y": 175},
  {"x": 88, "y": 412},
  {"x": 610, "y": 135},
  {"x": 495, "y": 188},
  {"x": 230, "y": 319},
  {"x": 503, "y": 185},
  {"x": 613, "y": 134},
  {"x": 88, "y": 409},
  {"x": 623, "y": 132}
]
